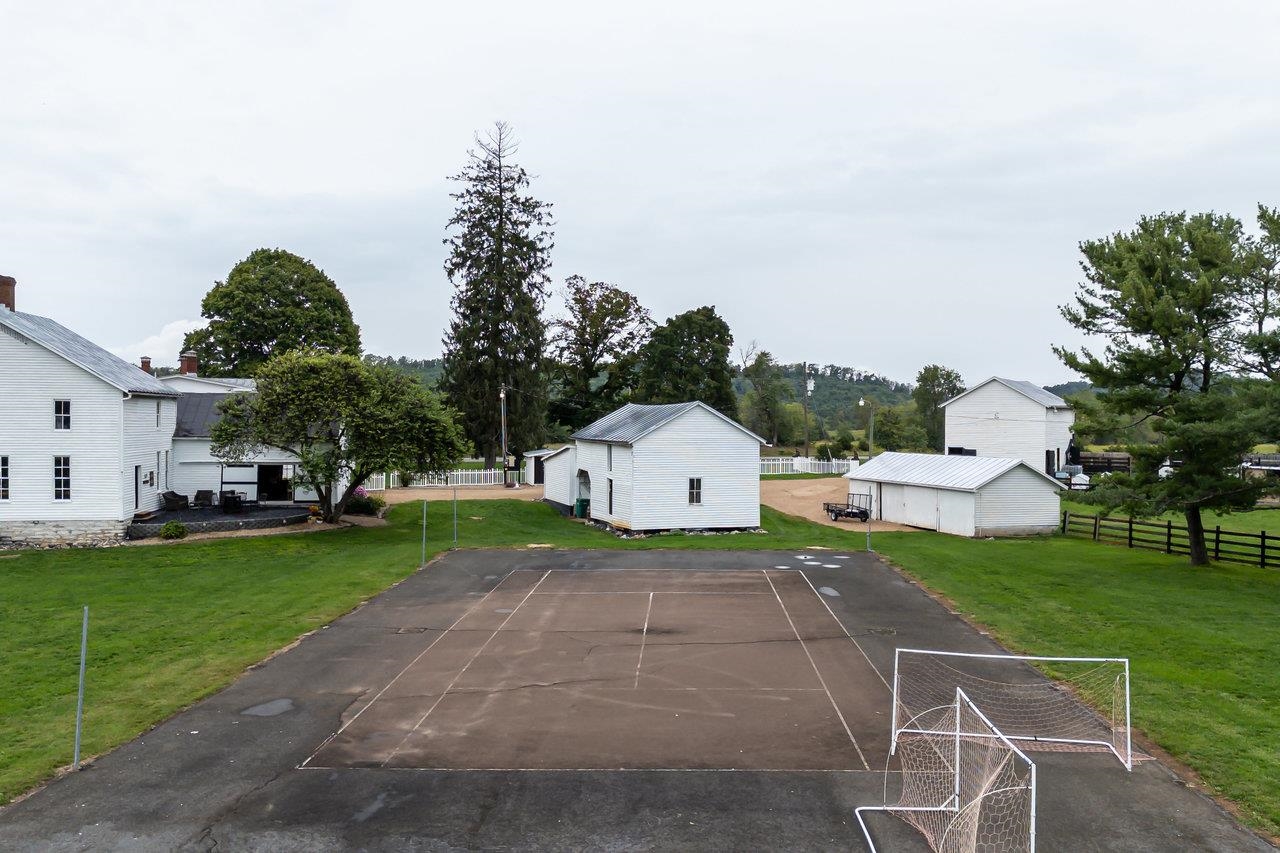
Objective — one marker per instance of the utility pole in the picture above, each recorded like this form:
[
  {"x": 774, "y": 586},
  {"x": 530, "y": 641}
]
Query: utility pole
[
  {"x": 808, "y": 392},
  {"x": 871, "y": 432},
  {"x": 502, "y": 401}
]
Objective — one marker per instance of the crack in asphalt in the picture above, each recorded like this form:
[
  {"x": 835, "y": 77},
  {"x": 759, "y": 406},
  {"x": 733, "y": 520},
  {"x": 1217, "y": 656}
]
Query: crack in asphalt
[{"x": 205, "y": 839}]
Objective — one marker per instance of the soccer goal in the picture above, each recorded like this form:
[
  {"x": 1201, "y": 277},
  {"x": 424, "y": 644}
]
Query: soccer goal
[
  {"x": 965, "y": 786},
  {"x": 1085, "y": 708}
]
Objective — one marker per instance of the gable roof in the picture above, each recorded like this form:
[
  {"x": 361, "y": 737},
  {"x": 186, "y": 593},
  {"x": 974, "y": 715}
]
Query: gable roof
[
  {"x": 85, "y": 354},
  {"x": 216, "y": 381},
  {"x": 634, "y": 421},
  {"x": 197, "y": 414},
  {"x": 1027, "y": 389},
  {"x": 955, "y": 473}
]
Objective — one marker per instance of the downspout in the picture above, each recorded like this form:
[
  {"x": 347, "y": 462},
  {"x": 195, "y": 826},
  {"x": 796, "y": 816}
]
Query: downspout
[{"x": 120, "y": 496}]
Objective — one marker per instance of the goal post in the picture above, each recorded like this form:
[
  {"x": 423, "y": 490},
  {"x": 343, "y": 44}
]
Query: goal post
[
  {"x": 965, "y": 786},
  {"x": 1065, "y": 703}
]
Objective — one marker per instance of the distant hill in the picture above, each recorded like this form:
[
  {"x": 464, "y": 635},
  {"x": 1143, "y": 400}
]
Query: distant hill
[
  {"x": 1067, "y": 388},
  {"x": 425, "y": 370}
]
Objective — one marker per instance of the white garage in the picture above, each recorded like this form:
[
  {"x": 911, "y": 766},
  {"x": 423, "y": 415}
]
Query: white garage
[{"x": 962, "y": 495}]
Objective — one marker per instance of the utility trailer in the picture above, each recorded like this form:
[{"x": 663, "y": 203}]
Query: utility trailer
[{"x": 858, "y": 508}]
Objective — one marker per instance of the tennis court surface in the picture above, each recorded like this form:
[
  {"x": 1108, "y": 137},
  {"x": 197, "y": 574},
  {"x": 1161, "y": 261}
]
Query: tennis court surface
[{"x": 578, "y": 670}]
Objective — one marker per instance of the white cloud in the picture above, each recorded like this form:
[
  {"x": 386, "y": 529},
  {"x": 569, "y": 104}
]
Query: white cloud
[{"x": 163, "y": 347}]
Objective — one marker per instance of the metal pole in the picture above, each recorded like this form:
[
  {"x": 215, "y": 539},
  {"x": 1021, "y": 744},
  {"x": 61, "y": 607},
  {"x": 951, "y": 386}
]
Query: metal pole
[
  {"x": 871, "y": 440},
  {"x": 455, "y": 517},
  {"x": 424, "y": 532},
  {"x": 84, "y": 645},
  {"x": 502, "y": 400}
]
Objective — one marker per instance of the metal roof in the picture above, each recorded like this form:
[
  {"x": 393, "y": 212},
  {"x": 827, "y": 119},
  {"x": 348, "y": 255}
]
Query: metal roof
[
  {"x": 956, "y": 473},
  {"x": 84, "y": 353},
  {"x": 224, "y": 381},
  {"x": 197, "y": 414},
  {"x": 1027, "y": 389},
  {"x": 634, "y": 421}
]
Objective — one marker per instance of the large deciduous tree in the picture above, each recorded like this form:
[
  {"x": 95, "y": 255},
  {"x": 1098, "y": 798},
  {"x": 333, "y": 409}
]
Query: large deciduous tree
[
  {"x": 500, "y": 245},
  {"x": 1167, "y": 300},
  {"x": 687, "y": 358},
  {"x": 764, "y": 405},
  {"x": 935, "y": 385},
  {"x": 272, "y": 302},
  {"x": 345, "y": 421},
  {"x": 595, "y": 347}
]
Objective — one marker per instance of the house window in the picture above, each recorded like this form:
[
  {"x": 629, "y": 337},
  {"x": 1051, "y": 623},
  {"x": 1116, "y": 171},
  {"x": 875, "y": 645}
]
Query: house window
[
  {"x": 695, "y": 490},
  {"x": 610, "y": 496},
  {"x": 157, "y": 414},
  {"x": 62, "y": 478},
  {"x": 608, "y": 455},
  {"x": 4, "y": 478},
  {"x": 166, "y": 469},
  {"x": 158, "y": 470},
  {"x": 62, "y": 414}
]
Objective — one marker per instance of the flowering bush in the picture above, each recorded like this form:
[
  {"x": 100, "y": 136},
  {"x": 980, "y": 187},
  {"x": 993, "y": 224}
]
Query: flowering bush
[
  {"x": 313, "y": 511},
  {"x": 361, "y": 492}
]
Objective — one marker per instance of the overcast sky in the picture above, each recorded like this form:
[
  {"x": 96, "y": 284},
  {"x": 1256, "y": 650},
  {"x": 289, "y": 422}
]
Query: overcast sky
[{"x": 877, "y": 185}]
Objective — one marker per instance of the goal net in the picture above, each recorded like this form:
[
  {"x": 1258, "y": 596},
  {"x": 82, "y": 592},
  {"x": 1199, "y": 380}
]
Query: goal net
[
  {"x": 1085, "y": 708},
  {"x": 965, "y": 787}
]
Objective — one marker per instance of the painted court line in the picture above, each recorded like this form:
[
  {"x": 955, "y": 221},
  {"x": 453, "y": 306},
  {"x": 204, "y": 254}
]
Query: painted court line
[
  {"x": 464, "y": 669},
  {"x": 816, "y": 672},
  {"x": 845, "y": 630},
  {"x": 644, "y": 635},
  {"x": 407, "y": 667},
  {"x": 878, "y": 773}
]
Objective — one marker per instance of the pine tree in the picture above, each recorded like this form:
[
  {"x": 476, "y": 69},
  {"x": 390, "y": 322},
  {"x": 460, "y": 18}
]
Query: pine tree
[{"x": 499, "y": 251}]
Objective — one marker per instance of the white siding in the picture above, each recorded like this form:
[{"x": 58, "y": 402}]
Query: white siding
[
  {"x": 956, "y": 512},
  {"x": 591, "y": 458},
  {"x": 185, "y": 385},
  {"x": 31, "y": 378},
  {"x": 696, "y": 444},
  {"x": 995, "y": 420},
  {"x": 142, "y": 441},
  {"x": 1058, "y": 423},
  {"x": 559, "y": 475},
  {"x": 194, "y": 468},
  {"x": 1018, "y": 502}
]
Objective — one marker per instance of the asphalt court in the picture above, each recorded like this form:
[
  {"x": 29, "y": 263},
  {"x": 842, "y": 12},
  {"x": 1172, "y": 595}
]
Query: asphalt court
[{"x": 639, "y": 669}]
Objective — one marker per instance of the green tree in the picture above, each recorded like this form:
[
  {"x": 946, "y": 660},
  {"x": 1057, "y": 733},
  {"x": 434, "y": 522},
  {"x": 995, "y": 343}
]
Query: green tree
[
  {"x": 899, "y": 428},
  {"x": 345, "y": 421},
  {"x": 687, "y": 358},
  {"x": 596, "y": 347},
  {"x": 763, "y": 405},
  {"x": 1260, "y": 302},
  {"x": 935, "y": 385},
  {"x": 1166, "y": 299},
  {"x": 272, "y": 302},
  {"x": 499, "y": 253}
]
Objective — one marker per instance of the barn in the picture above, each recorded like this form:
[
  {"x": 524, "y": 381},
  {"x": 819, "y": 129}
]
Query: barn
[
  {"x": 682, "y": 466},
  {"x": 1007, "y": 418},
  {"x": 962, "y": 495}
]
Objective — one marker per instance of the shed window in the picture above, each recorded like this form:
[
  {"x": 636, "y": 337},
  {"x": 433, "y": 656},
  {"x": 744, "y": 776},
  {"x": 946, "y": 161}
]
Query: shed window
[
  {"x": 610, "y": 496},
  {"x": 157, "y": 414},
  {"x": 62, "y": 478},
  {"x": 4, "y": 478},
  {"x": 695, "y": 490},
  {"x": 608, "y": 456},
  {"x": 62, "y": 414}
]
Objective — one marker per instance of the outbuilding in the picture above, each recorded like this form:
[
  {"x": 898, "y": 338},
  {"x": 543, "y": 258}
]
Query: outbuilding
[
  {"x": 962, "y": 495},
  {"x": 1007, "y": 418},
  {"x": 682, "y": 466}
]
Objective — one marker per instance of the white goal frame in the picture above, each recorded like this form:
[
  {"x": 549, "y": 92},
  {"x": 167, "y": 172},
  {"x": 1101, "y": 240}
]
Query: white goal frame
[
  {"x": 1126, "y": 758},
  {"x": 953, "y": 805}
]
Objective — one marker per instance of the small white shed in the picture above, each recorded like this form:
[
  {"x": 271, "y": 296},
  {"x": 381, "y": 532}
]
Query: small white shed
[
  {"x": 1008, "y": 418},
  {"x": 962, "y": 495},
  {"x": 682, "y": 466}
]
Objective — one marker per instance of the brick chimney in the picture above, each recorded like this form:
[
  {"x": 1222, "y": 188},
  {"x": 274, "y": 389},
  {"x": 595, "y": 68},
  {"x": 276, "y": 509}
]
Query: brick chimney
[
  {"x": 7, "y": 285},
  {"x": 146, "y": 364},
  {"x": 188, "y": 363}
]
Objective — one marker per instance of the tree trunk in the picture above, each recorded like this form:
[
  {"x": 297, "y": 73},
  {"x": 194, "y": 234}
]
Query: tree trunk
[{"x": 1195, "y": 537}]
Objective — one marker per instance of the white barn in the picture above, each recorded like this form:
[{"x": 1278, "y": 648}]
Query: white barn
[
  {"x": 962, "y": 495},
  {"x": 1010, "y": 418},
  {"x": 682, "y": 466},
  {"x": 85, "y": 437}
]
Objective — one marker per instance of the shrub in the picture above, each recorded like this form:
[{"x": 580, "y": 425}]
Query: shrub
[
  {"x": 365, "y": 505},
  {"x": 173, "y": 530}
]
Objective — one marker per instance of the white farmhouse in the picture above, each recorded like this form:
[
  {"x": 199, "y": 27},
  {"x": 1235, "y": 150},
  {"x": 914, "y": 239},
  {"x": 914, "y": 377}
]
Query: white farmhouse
[
  {"x": 85, "y": 437},
  {"x": 679, "y": 466},
  {"x": 1010, "y": 418},
  {"x": 962, "y": 495}
]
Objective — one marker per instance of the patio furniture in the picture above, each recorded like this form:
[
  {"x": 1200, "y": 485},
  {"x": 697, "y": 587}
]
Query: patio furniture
[
  {"x": 203, "y": 498},
  {"x": 232, "y": 502},
  {"x": 174, "y": 501}
]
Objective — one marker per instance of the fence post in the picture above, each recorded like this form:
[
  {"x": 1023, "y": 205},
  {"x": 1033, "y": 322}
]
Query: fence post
[
  {"x": 1066, "y": 515},
  {"x": 1262, "y": 550},
  {"x": 1168, "y": 536},
  {"x": 1097, "y": 521},
  {"x": 1217, "y": 539},
  {"x": 1130, "y": 531}
]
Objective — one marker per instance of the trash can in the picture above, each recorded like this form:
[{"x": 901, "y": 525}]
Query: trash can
[{"x": 582, "y": 508}]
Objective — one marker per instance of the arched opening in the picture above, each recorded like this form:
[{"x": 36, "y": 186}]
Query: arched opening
[{"x": 584, "y": 485}]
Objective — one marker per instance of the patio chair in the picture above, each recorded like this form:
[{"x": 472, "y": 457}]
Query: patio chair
[
  {"x": 174, "y": 501},
  {"x": 203, "y": 498}
]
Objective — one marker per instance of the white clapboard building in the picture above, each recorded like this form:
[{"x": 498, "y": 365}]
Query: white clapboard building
[
  {"x": 85, "y": 437},
  {"x": 962, "y": 495},
  {"x": 682, "y": 466},
  {"x": 1010, "y": 418}
]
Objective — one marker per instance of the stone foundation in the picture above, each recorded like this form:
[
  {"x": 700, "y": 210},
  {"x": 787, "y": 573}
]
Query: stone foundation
[{"x": 60, "y": 534}]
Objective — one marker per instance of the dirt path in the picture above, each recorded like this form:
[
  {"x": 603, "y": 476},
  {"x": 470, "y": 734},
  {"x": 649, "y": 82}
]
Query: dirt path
[{"x": 806, "y": 497}]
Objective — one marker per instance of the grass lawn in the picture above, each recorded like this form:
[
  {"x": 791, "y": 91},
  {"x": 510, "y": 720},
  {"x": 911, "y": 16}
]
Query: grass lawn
[
  {"x": 1202, "y": 642},
  {"x": 1240, "y": 522}
]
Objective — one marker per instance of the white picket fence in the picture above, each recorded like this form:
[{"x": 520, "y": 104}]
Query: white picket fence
[
  {"x": 802, "y": 465},
  {"x": 460, "y": 477}
]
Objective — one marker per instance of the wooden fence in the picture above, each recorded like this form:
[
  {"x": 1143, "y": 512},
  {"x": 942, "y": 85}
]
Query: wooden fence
[{"x": 1227, "y": 546}]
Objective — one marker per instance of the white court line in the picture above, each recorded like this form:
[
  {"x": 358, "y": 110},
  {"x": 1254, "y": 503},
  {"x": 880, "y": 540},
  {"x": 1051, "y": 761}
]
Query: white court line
[
  {"x": 464, "y": 669},
  {"x": 378, "y": 695},
  {"x": 846, "y": 630},
  {"x": 651, "y": 592},
  {"x": 816, "y": 672},
  {"x": 643, "y": 637},
  {"x": 878, "y": 773}
]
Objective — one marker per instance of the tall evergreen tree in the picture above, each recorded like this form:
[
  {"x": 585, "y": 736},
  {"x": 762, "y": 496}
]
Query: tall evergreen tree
[
  {"x": 935, "y": 385},
  {"x": 500, "y": 245},
  {"x": 687, "y": 358}
]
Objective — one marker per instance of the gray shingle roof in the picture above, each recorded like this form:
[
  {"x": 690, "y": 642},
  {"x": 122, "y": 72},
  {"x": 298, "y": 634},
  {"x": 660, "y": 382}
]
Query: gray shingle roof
[
  {"x": 197, "y": 414},
  {"x": 84, "y": 353},
  {"x": 957, "y": 473},
  {"x": 1028, "y": 389},
  {"x": 634, "y": 421}
]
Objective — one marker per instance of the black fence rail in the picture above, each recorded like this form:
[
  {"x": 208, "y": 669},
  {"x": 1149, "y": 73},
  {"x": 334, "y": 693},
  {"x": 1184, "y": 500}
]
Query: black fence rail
[
  {"x": 1228, "y": 546},
  {"x": 1104, "y": 462}
]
